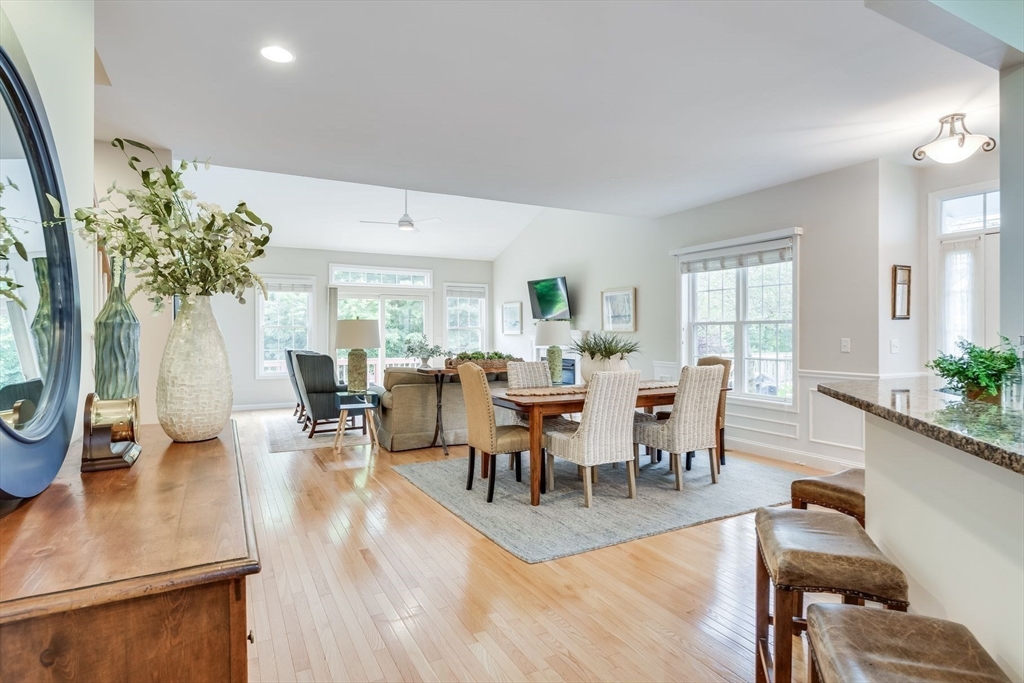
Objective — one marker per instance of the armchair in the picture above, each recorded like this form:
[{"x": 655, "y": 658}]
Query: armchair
[{"x": 318, "y": 388}]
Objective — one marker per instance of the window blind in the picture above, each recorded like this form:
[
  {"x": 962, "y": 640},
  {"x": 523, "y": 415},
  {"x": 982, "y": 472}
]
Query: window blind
[
  {"x": 288, "y": 286},
  {"x": 466, "y": 292},
  {"x": 740, "y": 256}
]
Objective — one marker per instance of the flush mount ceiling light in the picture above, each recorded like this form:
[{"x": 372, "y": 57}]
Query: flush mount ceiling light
[
  {"x": 276, "y": 53},
  {"x": 954, "y": 142}
]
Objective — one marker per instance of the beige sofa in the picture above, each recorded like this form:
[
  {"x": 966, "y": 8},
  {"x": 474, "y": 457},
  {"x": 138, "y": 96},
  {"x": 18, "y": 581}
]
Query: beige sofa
[{"x": 408, "y": 409}]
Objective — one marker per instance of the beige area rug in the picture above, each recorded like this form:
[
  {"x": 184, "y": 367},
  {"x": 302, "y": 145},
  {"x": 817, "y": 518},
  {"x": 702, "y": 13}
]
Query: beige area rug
[
  {"x": 285, "y": 435},
  {"x": 561, "y": 526}
]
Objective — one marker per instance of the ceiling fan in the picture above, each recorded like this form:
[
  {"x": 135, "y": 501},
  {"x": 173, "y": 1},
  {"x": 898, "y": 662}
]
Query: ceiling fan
[{"x": 405, "y": 223}]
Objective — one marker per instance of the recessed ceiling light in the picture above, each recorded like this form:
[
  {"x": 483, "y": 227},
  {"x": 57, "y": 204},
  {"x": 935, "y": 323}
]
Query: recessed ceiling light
[{"x": 276, "y": 53}]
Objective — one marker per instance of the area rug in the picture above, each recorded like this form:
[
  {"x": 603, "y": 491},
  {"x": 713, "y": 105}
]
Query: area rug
[
  {"x": 285, "y": 435},
  {"x": 561, "y": 526}
]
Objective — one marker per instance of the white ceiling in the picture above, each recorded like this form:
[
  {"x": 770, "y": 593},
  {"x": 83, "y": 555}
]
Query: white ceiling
[
  {"x": 324, "y": 214},
  {"x": 634, "y": 108}
]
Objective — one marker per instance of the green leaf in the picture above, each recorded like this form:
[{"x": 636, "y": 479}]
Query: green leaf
[
  {"x": 20, "y": 248},
  {"x": 55, "y": 205},
  {"x": 139, "y": 145}
]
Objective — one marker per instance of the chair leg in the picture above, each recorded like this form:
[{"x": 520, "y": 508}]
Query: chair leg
[
  {"x": 677, "y": 467},
  {"x": 593, "y": 474},
  {"x": 579, "y": 471},
  {"x": 762, "y": 586},
  {"x": 472, "y": 464},
  {"x": 296, "y": 411},
  {"x": 490, "y": 476},
  {"x": 721, "y": 445},
  {"x": 632, "y": 481},
  {"x": 543, "y": 470},
  {"x": 518, "y": 458},
  {"x": 485, "y": 466},
  {"x": 511, "y": 461},
  {"x": 588, "y": 488},
  {"x": 659, "y": 452},
  {"x": 312, "y": 428},
  {"x": 799, "y": 504},
  {"x": 364, "y": 423},
  {"x": 689, "y": 460},
  {"x": 636, "y": 459},
  {"x": 550, "y": 471},
  {"x": 714, "y": 465},
  {"x": 783, "y": 646}
]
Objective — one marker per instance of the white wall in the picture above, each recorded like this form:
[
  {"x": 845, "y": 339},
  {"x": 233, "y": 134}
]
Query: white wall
[
  {"x": 900, "y": 242},
  {"x": 238, "y": 322},
  {"x": 1011, "y": 253},
  {"x": 111, "y": 166},
  {"x": 57, "y": 38}
]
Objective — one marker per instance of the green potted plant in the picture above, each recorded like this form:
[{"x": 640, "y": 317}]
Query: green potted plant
[
  {"x": 492, "y": 361},
  {"x": 419, "y": 347},
  {"x": 602, "y": 352},
  {"x": 976, "y": 372},
  {"x": 180, "y": 247}
]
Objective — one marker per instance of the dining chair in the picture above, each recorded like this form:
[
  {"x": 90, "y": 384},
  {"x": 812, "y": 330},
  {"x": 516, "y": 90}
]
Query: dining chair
[
  {"x": 484, "y": 433},
  {"x": 720, "y": 420},
  {"x": 691, "y": 426},
  {"x": 604, "y": 433}
]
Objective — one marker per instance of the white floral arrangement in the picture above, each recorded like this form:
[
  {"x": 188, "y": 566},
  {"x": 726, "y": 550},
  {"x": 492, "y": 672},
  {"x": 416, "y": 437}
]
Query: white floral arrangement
[{"x": 174, "y": 244}]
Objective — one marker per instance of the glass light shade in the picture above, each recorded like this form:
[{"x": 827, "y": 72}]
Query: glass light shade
[
  {"x": 358, "y": 334},
  {"x": 950, "y": 150},
  {"x": 276, "y": 53},
  {"x": 553, "y": 333}
]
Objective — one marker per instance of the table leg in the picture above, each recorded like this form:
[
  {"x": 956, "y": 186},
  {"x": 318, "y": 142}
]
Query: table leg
[
  {"x": 439, "y": 423},
  {"x": 339, "y": 433},
  {"x": 536, "y": 445},
  {"x": 371, "y": 414}
]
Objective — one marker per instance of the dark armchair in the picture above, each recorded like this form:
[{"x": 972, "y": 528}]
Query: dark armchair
[{"x": 318, "y": 387}]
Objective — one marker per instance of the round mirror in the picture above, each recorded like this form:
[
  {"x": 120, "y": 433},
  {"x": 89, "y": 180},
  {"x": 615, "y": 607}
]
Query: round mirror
[{"x": 40, "y": 346}]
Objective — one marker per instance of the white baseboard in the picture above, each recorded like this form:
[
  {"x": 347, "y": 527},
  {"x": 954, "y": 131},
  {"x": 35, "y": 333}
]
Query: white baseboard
[
  {"x": 821, "y": 462},
  {"x": 262, "y": 406}
]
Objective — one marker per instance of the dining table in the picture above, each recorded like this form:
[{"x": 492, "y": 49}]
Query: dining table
[{"x": 537, "y": 407}]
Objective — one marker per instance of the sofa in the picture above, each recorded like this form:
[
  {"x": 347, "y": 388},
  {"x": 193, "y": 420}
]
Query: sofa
[{"x": 408, "y": 409}]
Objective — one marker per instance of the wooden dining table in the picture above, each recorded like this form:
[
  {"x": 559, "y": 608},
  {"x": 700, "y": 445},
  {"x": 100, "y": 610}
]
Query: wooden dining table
[{"x": 539, "y": 406}]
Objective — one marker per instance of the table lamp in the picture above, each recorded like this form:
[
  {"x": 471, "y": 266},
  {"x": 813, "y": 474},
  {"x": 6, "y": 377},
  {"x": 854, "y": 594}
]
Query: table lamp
[
  {"x": 554, "y": 334},
  {"x": 357, "y": 336}
]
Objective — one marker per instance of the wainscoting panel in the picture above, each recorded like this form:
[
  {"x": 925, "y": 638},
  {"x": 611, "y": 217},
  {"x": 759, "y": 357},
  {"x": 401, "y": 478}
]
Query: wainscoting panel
[
  {"x": 834, "y": 423},
  {"x": 666, "y": 371}
]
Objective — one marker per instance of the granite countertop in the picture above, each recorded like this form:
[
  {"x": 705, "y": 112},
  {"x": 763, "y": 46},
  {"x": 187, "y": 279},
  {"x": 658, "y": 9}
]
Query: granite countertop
[{"x": 981, "y": 429}]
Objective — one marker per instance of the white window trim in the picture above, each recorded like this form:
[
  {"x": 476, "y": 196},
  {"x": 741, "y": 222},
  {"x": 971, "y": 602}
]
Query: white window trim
[
  {"x": 382, "y": 293},
  {"x": 484, "y": 326},
  {"x": 260, "y": 301},
  {"x": 380, "y": 269},
  {"x": 936, "y": 237},
  {"x": 683, "y": 325}
]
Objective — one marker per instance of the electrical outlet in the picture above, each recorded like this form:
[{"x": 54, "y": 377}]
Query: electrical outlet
[
  {"x": 844, "y": 345},
  {"x": 894, "y": 346}
]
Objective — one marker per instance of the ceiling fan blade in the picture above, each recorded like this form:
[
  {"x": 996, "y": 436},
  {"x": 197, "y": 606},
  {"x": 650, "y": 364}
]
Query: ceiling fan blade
[
  {"x": 379, "y": 222},
  {"x": 428, "y": 220}
]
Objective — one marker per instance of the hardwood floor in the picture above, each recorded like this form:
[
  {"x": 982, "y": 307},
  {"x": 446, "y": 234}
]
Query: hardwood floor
[{"x": 365, "y": 578}]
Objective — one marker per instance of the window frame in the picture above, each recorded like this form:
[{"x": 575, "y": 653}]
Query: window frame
[
  {"x": 484, "y": 318},
  {"x": 936, "y": 237},
  {"x": 339, "y": 267},
  {"x": 261, "y": 302},
  {"x": 685, "y": 312}
]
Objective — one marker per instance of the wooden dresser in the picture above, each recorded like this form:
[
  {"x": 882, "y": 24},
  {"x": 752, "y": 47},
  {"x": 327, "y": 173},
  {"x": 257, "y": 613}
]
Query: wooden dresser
[{"x": 131, "y": 575}]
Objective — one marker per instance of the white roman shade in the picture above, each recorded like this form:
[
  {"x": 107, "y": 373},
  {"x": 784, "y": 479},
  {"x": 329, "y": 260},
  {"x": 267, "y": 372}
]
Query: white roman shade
[
  {"x": 278, "y": 285},
  {"x": 737, "y": 256},
  {"x": 465, "y": 291}
]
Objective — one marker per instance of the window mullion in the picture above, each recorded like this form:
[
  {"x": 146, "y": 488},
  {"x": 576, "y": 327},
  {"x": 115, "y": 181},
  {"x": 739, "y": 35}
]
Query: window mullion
[{"x": 740, "y": 333}]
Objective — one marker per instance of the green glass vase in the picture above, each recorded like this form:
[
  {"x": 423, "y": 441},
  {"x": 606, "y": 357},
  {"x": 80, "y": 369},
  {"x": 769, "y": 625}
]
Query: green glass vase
[
  {"x": 42, "y": 322},
  {"x": 117, "y": 341}
]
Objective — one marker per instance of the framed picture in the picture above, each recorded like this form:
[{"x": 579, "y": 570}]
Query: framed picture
[
  {"x": 512, "y": 317},
  {"x": 618, "y": 310},
  {"x": 901, "y": 292}
]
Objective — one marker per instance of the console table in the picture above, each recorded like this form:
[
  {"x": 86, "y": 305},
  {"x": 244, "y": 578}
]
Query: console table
[{"x": 133, "y": 574}]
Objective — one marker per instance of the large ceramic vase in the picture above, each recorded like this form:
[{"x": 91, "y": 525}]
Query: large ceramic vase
[
  {"x": 193, "y": 389},
  {"x": 117, "y": 342},
  {"x": 589, "y": 365},
  {"x": 42, "y": 322}
]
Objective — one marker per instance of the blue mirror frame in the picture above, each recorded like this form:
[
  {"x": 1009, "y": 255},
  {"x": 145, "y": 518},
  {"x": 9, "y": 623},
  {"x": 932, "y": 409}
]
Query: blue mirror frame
[{"x": 30, "y": 458}]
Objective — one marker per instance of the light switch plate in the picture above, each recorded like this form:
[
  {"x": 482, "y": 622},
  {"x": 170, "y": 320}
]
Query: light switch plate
[
  {"x": 894, "y": 346},
  {"x": 844, "y": 345}
]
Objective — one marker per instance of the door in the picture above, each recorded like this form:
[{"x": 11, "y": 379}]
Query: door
[
  {"x": 358, "y": 307},
  {"x": 405, "y": 319}
]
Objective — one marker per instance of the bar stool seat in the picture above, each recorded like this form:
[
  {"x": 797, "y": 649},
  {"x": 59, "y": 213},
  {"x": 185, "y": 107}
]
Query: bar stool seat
[
  {"x": 810, "y": 551},
  {"x": 849, "y": 643},
  {"x": 842, "y": 491}
]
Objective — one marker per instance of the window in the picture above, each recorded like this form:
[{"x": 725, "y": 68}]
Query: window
[
  {"x": 965, "y": 252},
  {"x": 284, "y": 321},
  {"x": 380, "y": 277},
  {"x": 740, "y": 306},
  {"x": 406, "y": 317},
  {"x": 465, "y": 309}
]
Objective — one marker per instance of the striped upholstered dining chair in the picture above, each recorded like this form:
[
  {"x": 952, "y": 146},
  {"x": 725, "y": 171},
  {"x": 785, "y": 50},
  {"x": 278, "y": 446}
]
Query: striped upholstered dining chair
[
  {"x": 604, "y": 433},
  {"x": 691, "y": 426}
]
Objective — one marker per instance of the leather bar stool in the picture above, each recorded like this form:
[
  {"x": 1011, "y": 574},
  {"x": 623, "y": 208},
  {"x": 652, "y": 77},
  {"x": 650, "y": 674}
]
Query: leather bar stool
[
  {"x": 810, "y": 551},
  {"x": 849, "y": 643},
  {"x": 842, "y": 491}
]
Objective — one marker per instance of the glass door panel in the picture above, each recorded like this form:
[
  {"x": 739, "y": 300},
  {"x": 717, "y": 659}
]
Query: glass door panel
[
  {"x": 405, "y": 318},
  {"x": 359, "y": 308}
]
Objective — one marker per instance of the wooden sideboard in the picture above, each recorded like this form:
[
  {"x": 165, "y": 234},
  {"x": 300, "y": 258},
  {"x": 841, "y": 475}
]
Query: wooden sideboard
[{"x": 131, "y": 575}]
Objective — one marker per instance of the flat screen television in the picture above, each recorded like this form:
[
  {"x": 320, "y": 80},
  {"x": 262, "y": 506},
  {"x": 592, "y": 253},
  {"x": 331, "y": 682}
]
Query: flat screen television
[{"x": 549, "y": 299}]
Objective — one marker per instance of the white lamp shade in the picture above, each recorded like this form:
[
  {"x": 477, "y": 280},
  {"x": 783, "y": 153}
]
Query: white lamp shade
[
  {"x": 951, "y": 149},
  {"x": 553, "y": 333},
  {"x": 358, "y": 334}
]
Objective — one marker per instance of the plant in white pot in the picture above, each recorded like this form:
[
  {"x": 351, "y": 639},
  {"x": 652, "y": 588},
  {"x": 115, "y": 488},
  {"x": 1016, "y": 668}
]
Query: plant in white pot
[
  {"x": 603, "y": 352},
  {"x": 177, "y": 246}
]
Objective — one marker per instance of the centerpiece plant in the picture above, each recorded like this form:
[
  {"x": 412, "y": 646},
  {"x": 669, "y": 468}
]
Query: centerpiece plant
[
  {"x": 419, "y": 346},
  {"x": 180, "y": 248},
  {"x": 601, "y": 352},
  {"x": 976, "y": 372}
]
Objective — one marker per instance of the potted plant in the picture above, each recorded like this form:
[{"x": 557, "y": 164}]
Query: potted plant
[
  {"x": 494, "y": 361},
  {"x": 178, "y": 247},
  {"x": 976, "y": 372},
  {"x": 419, "y": 347},
  {"x": 601, "y": 352}
]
